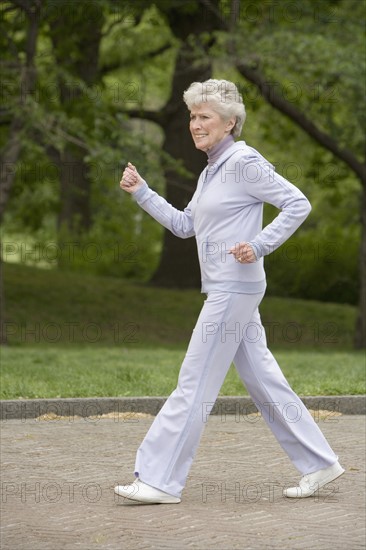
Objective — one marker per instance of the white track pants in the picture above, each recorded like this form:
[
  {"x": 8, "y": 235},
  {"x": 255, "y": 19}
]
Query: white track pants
[{"x": 228, "y": 329}]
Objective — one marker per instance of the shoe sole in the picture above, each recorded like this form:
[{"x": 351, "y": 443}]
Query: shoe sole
[{"x": 132, "y": 498}]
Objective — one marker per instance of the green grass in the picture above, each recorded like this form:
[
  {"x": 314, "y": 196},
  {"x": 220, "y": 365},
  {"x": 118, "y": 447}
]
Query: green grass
[
  {"x": 63, "y": 308},
  {"x": 75, "y": 335},
  {"x": 43, "y": 372}
]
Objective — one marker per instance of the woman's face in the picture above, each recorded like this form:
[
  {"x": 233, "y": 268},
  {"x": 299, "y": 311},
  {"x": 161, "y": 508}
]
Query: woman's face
[{"x": 207, "y": 127}]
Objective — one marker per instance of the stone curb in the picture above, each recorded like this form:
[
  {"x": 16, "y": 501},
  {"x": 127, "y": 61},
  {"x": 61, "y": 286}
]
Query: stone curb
[{"x": 87, "y": 407}]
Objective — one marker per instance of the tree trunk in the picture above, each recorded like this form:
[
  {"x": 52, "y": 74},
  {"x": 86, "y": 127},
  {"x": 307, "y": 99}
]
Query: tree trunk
[
  {"x": 10, "y": 154},
  {"x": 179, "y": 263},
  {"x": 78, "y": 31},
  {"x": 74, "y": 214},
  {"x": 360, "y": 336},
  {"x": 3, "y": 337}
]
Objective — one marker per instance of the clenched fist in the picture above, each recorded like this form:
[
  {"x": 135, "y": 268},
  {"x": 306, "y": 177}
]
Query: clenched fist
[{"x": 131, "y": 179}]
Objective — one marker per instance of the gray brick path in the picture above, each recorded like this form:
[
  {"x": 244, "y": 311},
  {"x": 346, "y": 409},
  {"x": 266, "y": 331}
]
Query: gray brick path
[{"x": 58, "y": 476}]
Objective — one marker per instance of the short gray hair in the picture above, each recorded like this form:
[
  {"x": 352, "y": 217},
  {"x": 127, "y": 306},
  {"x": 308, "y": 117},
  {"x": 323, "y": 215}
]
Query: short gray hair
[{"x": 224, "y": 95}]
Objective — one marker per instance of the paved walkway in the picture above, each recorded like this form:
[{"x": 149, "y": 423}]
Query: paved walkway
[{"x": 58, "y": 476}]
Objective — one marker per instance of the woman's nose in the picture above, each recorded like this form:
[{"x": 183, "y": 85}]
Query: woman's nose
[{"x": 195, "y": 124}]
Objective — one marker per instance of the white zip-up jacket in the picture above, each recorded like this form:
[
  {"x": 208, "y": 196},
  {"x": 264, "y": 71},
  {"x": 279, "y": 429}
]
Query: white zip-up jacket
[{"x": 226, "y": 209}]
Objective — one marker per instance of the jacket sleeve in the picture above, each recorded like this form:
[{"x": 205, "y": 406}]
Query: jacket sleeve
[
  {"x": 179, "y": 222},
  {"x": 265, "y": 185}
]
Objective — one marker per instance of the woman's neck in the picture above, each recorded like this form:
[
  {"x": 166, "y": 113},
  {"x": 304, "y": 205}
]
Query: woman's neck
[{"x": 217, "y": 150}]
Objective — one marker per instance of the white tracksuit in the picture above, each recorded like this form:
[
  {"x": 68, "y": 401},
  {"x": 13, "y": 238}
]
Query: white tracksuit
[{"x": 226, "y": 209}]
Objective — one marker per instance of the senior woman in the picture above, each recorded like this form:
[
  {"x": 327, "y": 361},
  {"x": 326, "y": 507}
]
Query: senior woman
[{"x": 225, "y": 216}]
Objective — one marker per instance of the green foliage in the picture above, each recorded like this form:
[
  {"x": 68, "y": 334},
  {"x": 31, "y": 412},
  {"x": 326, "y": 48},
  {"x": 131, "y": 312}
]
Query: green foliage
[
  {"x": 321, "y": 75},
  {"x": 323, "y": 69},
  {"x": 313, "y": 51},
  {"x": 320, "y": 261},
  {"x": 319, "y": 265},
  {"x": 93, "y": 117}
]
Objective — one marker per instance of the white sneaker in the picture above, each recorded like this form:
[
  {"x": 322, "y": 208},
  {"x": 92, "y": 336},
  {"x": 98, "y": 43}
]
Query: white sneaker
[
  {"x": 141, "y": 492},
  {"x": 310, "y": 483}
]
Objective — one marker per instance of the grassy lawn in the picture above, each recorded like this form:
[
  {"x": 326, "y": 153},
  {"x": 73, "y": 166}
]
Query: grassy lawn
[
  {"x": 41, "y": 371},
  {"x": 75, "y": 335}
]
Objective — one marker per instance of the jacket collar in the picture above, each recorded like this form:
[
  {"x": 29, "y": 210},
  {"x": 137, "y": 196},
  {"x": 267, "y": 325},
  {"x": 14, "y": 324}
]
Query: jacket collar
[{"x": 236, "y": 146}]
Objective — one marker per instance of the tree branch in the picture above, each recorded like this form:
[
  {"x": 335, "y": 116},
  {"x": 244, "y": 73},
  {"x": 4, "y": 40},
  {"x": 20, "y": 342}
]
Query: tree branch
[
  {"x": 111, "y": 26},
  {"x": 284, "y": 106},
  {"x": 154, "y": 116},
  {"x": 291, "y": 111},
  {"x": 117, "y": 64},
  {"x": 214, "y": 10}
]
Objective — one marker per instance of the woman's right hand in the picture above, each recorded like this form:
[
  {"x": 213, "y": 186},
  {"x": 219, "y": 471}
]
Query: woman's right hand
[{"x": 131, "y": 179}]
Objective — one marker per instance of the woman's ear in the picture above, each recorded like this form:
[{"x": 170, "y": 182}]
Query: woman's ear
[{"x": 230, "y": 124}]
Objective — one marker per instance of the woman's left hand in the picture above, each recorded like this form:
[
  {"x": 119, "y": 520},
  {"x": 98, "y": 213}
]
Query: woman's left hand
[{"x": 243, "y": 253}]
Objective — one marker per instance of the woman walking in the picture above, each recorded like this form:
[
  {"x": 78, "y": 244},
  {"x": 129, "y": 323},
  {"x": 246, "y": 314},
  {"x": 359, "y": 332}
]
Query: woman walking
[{"x": 225, "y": 216}]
